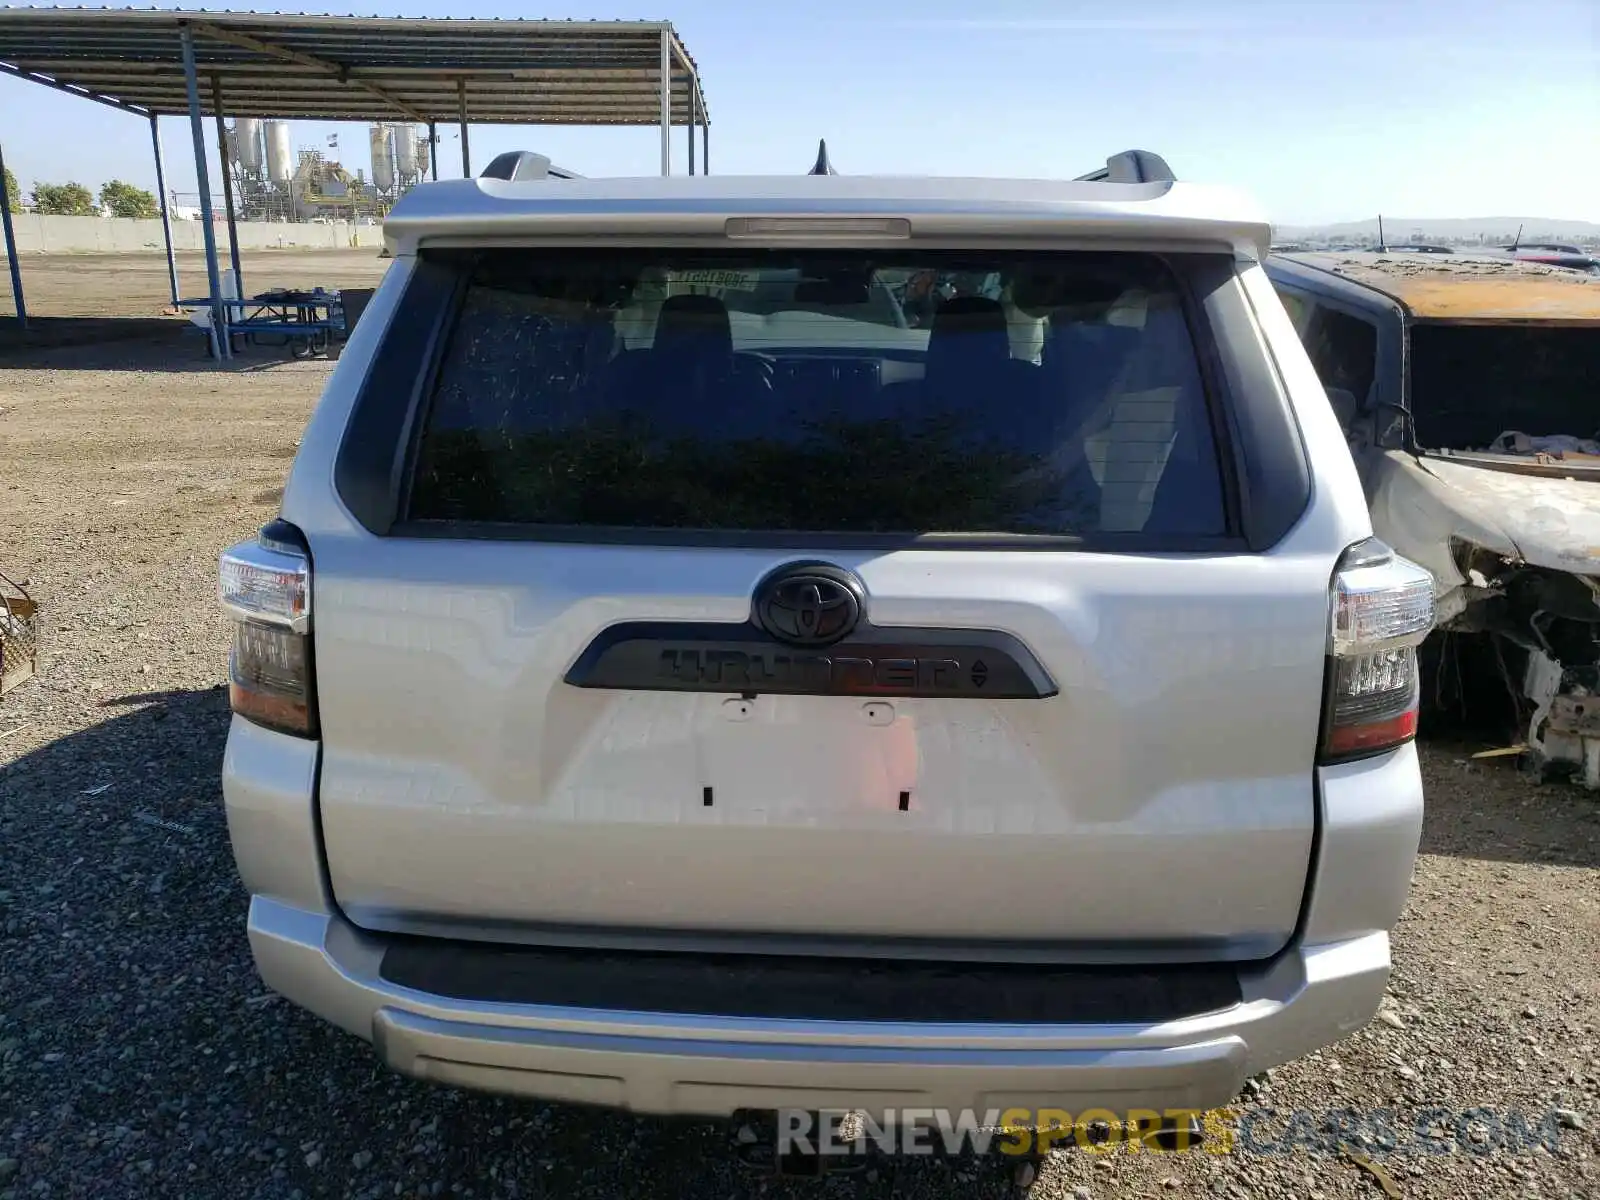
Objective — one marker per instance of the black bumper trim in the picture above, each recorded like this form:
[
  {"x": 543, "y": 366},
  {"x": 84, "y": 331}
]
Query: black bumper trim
[{"x": 800, "y": 988}]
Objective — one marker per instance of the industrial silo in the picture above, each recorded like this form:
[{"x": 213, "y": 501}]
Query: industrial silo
[
  {"x": 280, "y": 154},
  {"x": 382, "y": 158},
  {"x": 247, "y": 143},
  {"x": 405, "y": 153}
]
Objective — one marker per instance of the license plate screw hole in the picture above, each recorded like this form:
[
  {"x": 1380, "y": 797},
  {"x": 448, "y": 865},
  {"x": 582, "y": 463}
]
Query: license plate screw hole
[{"x": 878, "y": 713}]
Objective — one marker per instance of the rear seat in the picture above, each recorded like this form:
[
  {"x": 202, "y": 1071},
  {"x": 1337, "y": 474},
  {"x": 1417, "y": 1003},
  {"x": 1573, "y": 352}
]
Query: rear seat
[
  {"x": 689, "y": 379},
  {"x": 970, "y": 373},
  {"x": 1144, "y": 430}
]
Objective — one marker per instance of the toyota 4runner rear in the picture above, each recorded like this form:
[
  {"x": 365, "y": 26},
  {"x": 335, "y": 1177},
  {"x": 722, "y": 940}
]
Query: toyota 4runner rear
[{"x": 679, "y": 680}]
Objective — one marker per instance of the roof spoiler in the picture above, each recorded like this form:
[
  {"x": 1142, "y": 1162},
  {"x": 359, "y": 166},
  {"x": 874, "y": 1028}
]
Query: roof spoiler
[
  {"x": 1132, "y": 166},
  {"x": 516, "y": 166},
  {"x": 822, "y": 166}
]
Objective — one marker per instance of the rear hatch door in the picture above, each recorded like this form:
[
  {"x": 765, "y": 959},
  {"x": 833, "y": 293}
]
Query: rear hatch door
[{"x": 731, "y": 603}]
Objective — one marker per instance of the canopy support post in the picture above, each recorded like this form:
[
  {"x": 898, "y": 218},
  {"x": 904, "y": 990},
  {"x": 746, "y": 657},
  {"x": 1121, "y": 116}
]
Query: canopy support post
[
  {"x": 433, "y": 150},
  {"x": 666, "y": 102},
  {"x": 461, "y": 105},
  {"x": 221, "y": 343},
  {"x": 11, "y": 253},
  {"x": 166, "y": 212},
  {"x": 227, "y": 185}
]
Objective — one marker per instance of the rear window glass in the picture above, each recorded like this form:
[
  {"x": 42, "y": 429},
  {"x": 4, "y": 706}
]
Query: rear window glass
[
  {"x": 1472, "y": 383},
  {"x": 838, "y": 392}
]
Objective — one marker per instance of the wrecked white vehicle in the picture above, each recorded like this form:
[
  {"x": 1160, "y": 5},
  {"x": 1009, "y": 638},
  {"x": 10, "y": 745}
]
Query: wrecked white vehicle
[{"x": 1469, "y": 389}]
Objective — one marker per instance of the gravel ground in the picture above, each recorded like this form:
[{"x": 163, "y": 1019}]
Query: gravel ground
[{"x": 139, "y": 1054}]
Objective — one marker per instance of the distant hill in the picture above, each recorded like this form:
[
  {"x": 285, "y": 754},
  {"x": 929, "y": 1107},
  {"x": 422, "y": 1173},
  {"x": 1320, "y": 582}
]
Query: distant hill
[{"x": 1534, "y": 229}]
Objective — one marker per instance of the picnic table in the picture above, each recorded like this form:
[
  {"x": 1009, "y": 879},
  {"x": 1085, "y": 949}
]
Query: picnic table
[{"x": 304, "y": 321}]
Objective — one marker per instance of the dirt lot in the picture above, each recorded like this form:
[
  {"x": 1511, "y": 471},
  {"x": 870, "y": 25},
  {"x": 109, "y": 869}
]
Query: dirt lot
[
  {"x": 140, "y": 1056},
  {"x": 135, "y": 285}
]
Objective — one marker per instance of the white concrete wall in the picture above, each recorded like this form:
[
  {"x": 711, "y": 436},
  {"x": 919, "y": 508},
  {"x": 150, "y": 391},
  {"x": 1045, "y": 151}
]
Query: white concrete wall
[{"x": 119, "y": 235}]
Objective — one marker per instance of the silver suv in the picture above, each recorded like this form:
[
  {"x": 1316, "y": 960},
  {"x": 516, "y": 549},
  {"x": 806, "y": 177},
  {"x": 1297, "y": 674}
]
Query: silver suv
[{"x": 678, "y": 682}]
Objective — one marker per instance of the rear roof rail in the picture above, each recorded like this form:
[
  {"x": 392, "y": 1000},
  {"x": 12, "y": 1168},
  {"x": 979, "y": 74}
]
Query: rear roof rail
[
  {"x": 1132, "y": 166},
  {"x": 519, "y": 165}
]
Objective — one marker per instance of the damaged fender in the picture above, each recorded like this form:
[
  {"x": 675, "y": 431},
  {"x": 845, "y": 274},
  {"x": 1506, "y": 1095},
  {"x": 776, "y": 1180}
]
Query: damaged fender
[
  {"x": 1422, "y": 506},
  {"x": 1516, "y": 555},
  {"x": 1423, "y": 514}
]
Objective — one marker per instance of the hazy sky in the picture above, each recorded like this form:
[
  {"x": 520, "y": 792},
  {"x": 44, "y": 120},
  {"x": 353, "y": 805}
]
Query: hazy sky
[{"x": 1326, "y": 110}]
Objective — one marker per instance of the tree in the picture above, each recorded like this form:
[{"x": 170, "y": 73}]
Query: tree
[
  {"x": 63, "y": 200},
  {"x": 13, "y": 192},
  {"x": 124, "y": 200}
]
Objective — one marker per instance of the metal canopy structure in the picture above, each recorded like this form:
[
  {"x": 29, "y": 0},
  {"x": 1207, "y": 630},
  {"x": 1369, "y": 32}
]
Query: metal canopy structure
[
  {"x": 321, "y": 68},
  {"x": 346, "y": 68}
]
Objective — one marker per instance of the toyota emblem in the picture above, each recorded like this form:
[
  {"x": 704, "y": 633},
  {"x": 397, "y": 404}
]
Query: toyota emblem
[{"x": 809, "y": 604}]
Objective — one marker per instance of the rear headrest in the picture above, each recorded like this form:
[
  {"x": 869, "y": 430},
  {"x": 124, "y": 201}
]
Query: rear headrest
[
  {"x": 1087, "y": 357},
  {"x": 969, "y": 314},
  {"x": 694, "y": 320},
  {"x": 1092, "y": 338},
  {"x": 968, "y": 332}
]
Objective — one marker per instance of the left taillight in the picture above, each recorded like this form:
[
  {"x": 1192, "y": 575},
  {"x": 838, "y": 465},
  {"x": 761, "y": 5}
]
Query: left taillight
[{"x": 265, "y": 586}]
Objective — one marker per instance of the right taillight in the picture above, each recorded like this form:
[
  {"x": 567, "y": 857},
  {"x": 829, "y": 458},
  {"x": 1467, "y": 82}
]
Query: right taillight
[
  {"x": 265, "y": 585},
  {"x": 1381, "y": 608}
]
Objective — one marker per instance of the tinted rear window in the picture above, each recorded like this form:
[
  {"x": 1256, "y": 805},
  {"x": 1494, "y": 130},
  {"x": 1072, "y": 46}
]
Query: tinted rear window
[
  {"x": 855, "y": 393},
  {"x": 1471, "y": 383}
]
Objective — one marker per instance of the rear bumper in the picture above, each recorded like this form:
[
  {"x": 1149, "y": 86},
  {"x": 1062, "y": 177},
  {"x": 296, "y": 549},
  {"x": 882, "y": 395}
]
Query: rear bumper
[
  {"x": 1323, "y": 986},
  {"x": 707, "y": 1065}
]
